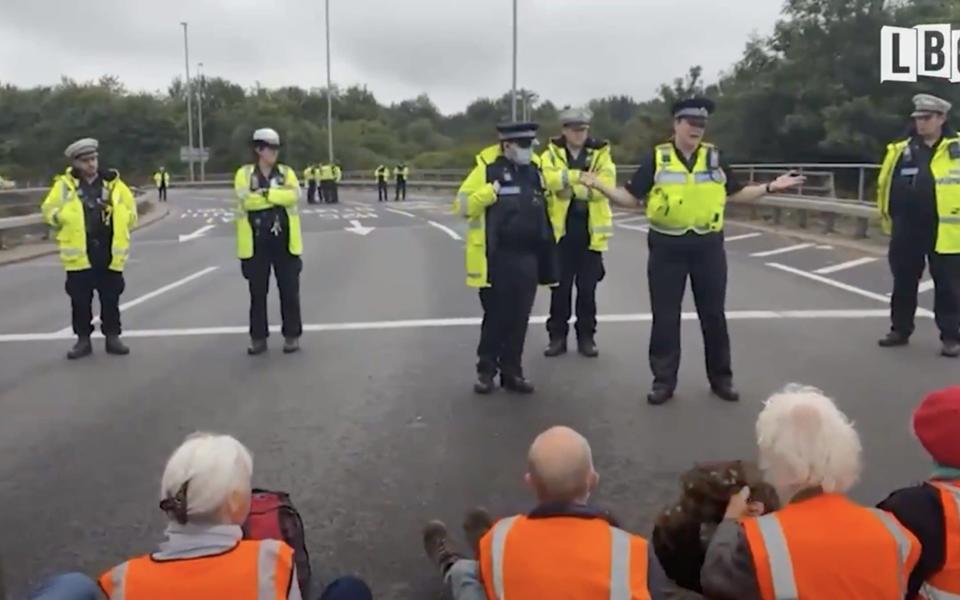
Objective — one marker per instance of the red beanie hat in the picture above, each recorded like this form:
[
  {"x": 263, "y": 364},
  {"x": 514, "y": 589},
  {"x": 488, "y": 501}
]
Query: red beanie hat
[{"x": 936, "y": 423}]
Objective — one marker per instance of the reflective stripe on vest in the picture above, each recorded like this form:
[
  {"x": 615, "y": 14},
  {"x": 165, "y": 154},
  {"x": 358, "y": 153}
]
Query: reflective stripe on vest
[
  {"x": 903, "y": 545},
  {"x": 267, "y": 557},
  {"x": 118, "y": 578},
  {"x": 928, "y": 592},
  {"x": 668, "y": 176},
  {"x": 620, "y": 586},
  {"x": 509, "y": 190}
]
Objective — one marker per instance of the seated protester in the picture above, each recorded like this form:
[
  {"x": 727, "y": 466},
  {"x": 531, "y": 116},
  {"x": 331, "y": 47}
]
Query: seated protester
[
  {"x": 564, "y": 548},
  {"x": 931, "y": 510},
  {"x": 821, "y": 544},
  {"x": 684, "y": 530},
  {"x": 68, "y": 586}
]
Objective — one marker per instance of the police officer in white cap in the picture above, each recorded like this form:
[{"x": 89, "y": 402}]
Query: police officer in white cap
[
  {"x": 582, "y": 224},
  {"x": 919, "y": 199},
  {"x": 269, "y": 238},
  {"x": 92, "y": 211}
]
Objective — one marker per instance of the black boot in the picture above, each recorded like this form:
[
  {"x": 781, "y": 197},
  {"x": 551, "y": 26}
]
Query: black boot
[
  {"x": 556, "y": 347},
  {"x": 894, "y": 339},
  {"x": 484, "y": 385},
  {"x": 291, "y": 345},
  {"x": 82, "y": 348},
  {"x": 659, "y": 395},
  {"x": 950, "y": 349},
  {"x": 587, "y": 347},
  {"x": 257, "y": 347},
  {"x": 436, "y": 543},
  {"x": 476, "y": 523},
  {"x": 115, "y": 346},
  {"x": 516, "y": 384},
  {"x": 725, "y": 391}
]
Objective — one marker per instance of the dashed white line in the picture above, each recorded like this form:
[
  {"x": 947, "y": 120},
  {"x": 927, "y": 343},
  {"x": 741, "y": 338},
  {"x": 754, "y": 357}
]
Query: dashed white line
[
  {"x": 401, "y": 212},
  {"x": 866, "y": 260},
  {"x": 642, "y": 228},
  {"x": 445, "y": 229},
  {"x": 925, "y": 286},
  {"x": 783, "y": 250},
  {"x": 742, "y": 236}
]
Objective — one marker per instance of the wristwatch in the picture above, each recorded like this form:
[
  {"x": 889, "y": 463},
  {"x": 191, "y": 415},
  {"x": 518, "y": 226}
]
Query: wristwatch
[{"x": 767, "y": 188}]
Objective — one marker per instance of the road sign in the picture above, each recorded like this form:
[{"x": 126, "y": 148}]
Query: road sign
[{"x": 195, "y": 154}]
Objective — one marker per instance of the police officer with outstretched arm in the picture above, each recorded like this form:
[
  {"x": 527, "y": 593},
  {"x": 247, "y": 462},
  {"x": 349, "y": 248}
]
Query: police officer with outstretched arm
[
  {"x": 686, "y": 186},
  {"x": 919, "y": 198},
  {"x": 510, "y": 249}
]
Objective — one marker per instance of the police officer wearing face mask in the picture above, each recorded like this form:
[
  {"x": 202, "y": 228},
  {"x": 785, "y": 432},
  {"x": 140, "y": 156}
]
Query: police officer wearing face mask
[{"x": 510, "y": 250}]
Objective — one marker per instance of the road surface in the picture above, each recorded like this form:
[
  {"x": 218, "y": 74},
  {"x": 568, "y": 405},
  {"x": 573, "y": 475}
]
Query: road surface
[{"x": 373, "y": 427}]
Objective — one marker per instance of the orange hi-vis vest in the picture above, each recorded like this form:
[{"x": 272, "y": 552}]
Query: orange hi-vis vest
[
  {"x": 829, "y": 547},
  {"x": 253, "y": 570},
  {"x": 562, "y": 558},
  {"x": 945, "y": 584}
]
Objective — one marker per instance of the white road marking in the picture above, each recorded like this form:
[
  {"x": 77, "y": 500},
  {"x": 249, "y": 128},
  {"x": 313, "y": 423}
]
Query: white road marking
[
  {"x": 195, "y": 234},
  {"x": 783, "y": 250},
  {"x": 742, "y": 236},
  {"x": 210, "y": 220},
  {"x": 357, "y": 227},
  {"x": 733, "y": 315},
  {"x": 618, "y": 214},
  {"x": 446, "y": 230},
  {"x": 401, "y": 212},
  {"x": 866, "y": 260},
  {"x": 642, "y": 228},
  {"x": 925, "y": 286},
  {"x": 636, "y": 218},
  {"x": 824, "y": 247}
]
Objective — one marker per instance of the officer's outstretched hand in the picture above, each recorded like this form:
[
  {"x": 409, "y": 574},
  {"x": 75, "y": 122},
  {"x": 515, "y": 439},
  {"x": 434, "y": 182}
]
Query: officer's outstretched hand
[{"x": 786, "y": 181}]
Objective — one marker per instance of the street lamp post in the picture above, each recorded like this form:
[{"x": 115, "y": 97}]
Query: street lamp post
[
  {"x": 203, "y": 162},
  {"x": 186, "y": 60},
  {"x": 513, "y": 93},
  {"x": 329, "y": 90}
]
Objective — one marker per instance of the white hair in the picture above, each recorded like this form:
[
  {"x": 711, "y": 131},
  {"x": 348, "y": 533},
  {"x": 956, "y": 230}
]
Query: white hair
[
  {"x": 215, "y": 466},
  {"x": 805, "y": 441}
]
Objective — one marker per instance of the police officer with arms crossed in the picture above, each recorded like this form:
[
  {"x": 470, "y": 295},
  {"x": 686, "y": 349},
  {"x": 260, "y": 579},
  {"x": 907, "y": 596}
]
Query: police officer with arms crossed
[
  {"x": 509, "y": 250},
  {"x": 402, "y": 172},
  {"x": 92, "y": 211},
  {"x": 162, "y": 179},
  {"x": 582, "y": 224},
  {"x": 919, "y": 199},
  {"x": 382, "y": 173},
  {"x": 687, "y": 186},
  {"x": 269, "y": 236}
]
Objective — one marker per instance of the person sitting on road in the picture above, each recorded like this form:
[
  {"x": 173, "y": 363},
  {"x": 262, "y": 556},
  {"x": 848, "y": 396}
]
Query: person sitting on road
[
  {"x": 564, "y": 548},
  {"x": 821, "y": 544},
  {"x": 931, "y": 510}
]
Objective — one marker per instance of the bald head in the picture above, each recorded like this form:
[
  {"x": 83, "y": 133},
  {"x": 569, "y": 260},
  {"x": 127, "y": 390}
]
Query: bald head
[{"x": 560, "y": 465}]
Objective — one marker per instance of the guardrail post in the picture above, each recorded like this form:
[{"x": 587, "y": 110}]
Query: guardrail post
[
  {"x": 2, "y": 246},
  {"x": 860, "y": 186},
  {"x": 777, "y": 215},
  {"x": 800, "y": 189},
  {"x": 863, "y": 226},
  {"x": 829, "y": 222},
  {"x": 802, "y": 218}
]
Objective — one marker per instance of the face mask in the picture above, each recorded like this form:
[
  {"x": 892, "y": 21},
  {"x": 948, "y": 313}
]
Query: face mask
[{"x": 520, "y": 156}]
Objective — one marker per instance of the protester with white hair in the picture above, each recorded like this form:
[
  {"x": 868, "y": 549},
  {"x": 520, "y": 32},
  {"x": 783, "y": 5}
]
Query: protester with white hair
[
  {"x": 564, "y": 548},
  {"x": 821, "y": 544}
]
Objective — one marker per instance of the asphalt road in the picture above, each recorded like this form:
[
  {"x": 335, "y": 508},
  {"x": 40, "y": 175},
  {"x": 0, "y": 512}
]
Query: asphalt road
[{"x": 373, "y": 427}]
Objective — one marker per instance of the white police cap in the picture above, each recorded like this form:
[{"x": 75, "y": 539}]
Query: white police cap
[
  {"x": 267, "y": 136},
  {"x": 927, "y": 103},
  {"x": 81, "y": 148},
  {"x": 575, "y": 116}
]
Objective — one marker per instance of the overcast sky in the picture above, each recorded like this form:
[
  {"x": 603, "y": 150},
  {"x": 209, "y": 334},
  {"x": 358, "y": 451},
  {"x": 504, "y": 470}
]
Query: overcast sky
[{"x": 453, "y": 50}]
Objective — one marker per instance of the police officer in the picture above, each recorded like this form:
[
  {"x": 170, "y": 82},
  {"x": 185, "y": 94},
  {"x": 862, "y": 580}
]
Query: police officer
[
  {"x": 310, "y": 177},
  {"x": 328, "y": 184},
  {"x": 269, "y": 237},
  {"x": 162, "y": 179},
  {"x": 402, "y": 172},
  {"x": 510, "y": 249},
  {"x": 919, "y": 200},
  {"x": 583, "y": 224},
  {"x": 92, "y": 211},
  {"x": 335, "y": 184},
  {"x": 686, "y": 186},
  {"x": 382, "y": 173}
]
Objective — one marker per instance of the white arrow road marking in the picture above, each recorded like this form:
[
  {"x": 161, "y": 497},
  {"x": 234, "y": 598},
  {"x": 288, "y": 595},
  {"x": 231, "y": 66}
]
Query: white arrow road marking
[
  {"x": 445, "y": 229},
  {"x": 358, "y": 228},
  {"x": 195, "y": 234}
]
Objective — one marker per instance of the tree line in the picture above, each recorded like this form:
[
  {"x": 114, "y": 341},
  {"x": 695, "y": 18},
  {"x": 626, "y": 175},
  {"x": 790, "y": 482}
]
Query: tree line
[{"x": 810, "y": 91}]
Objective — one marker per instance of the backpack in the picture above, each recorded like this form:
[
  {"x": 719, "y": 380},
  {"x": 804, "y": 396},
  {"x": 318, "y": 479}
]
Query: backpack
[{"x": 273, "y": 517}]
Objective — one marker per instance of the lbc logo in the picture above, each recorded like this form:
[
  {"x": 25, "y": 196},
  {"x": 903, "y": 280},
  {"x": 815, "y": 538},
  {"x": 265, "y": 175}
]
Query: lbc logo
[{"x": 924, "y": 51}]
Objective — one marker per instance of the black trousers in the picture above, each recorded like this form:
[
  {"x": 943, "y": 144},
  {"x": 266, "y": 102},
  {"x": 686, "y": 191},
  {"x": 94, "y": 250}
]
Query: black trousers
[
  {"x": 704, "y": 260},
  {"x": 330, "y": 192},
  {"x": 312, "y": 192},
  {"x": 911, "y": 249},
  {"x": 80, "y": 287},
  {"x": 506, "y": 312},
  {"x": 383, "y": 193},
  {"x": 401, "y": 190},
  {"x": 162, "y": 193},
  {"x": 286, "y": 268},
  {"x": 581, "y": 266}
]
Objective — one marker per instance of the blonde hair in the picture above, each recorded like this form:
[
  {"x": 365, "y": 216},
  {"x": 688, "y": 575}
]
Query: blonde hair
[
  {"x": 209, "y": 467},
  {"x": 805, "y": 441}
]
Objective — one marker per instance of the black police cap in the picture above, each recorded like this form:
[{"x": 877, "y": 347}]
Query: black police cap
[
  {"x": 693, "y": 107},
  {"x": 518, "y": 130}
]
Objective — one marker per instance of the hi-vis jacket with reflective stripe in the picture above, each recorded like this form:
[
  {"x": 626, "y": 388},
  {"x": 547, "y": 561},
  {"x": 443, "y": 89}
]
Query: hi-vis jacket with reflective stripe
[
  {"x": 523, "y": 558},
  {"x": 382, "y": 173},
  {"x": 161, "y": 178},
  {"x": 829, "y": 547},
  {"x": 63, "y": 210},
  {"x": 310, "y": 174},
  {"x": 337, "y": 173},
  {"x": 945, "y": 584},
  {"x": 682, "y": 201},
  {"x": 945, "y": 166},
  {"x": 561, "y": 177},
  {"x": 402, "y": 173},
  {"x": 253, "y": 570},
  {"x": 326, "y": 173},
  {"x": 283, "y": 192}
]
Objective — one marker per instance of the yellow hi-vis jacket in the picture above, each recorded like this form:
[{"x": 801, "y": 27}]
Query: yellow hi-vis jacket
[
  {"x": 63, "y": 210},
  {"x": 337, "y": 173},
  {"x": 283, "y": 192},
  {"x": 326, "y": 173},
  {"x": 945, "y": 166},
  {"x": 681, "y": 201},
  {"x": 161, "y": 178},
  {"x": 381, "y": 173},
  {"x": 558, "y": 173},
  {"x": 310, "y": 174},
  {"x": 403, "y": 173}
]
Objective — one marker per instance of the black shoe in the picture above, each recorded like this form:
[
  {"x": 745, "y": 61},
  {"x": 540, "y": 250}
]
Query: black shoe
[
  {"x": 484, "y": 385},
  {"x": 556, "y": 347},
  {"x": 291, "y": 345},
  {"x": 725, "y": 391},
  {"x": 82, "y": 348},
  {"x": 659, "y": 395},
  {"x": 115, "y": 346},
  {"x": 893, "y": 339},
  {"x": 436, "y": 543},
  {"x": 516, "y": 384},
  {"x": 476, "y": 523},
  {"x": 951, "y": 349},
  {"x": 257, "y": 347},
  {"x": 587, "y": 347}
]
